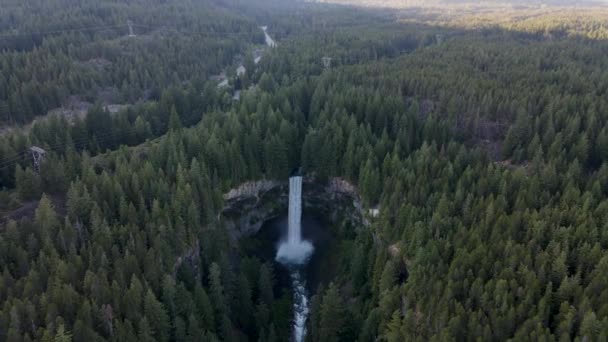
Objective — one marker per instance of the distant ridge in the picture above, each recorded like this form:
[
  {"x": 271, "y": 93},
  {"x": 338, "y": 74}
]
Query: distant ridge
[{"x": 467, "y": 3}]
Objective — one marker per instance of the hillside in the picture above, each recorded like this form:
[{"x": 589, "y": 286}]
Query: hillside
[{"x": 445, "y": 171}]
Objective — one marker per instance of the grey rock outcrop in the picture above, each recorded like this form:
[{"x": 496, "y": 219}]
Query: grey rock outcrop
[{"x": 251, "y": 204}]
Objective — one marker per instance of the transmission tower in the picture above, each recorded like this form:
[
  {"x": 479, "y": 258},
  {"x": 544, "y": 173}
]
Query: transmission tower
[{"x": 37, "y": 156}]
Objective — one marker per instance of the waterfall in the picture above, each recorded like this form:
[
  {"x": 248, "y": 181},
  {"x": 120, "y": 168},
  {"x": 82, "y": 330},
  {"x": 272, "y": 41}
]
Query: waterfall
[
  {"x": 294, "y": 250},
  {"x": 294, "y": 253},
  {"x": 294, "y": 234}
]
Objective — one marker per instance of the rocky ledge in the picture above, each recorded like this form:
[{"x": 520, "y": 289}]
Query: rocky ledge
[{"x": 251, "y": 204}]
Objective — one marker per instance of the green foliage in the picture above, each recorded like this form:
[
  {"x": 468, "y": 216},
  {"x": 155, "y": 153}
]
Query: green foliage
[
  {"x": 486, "y": 156},
  {"x": 175, "y": 122},
  {"x": 28, "y": 184},
  {"x": 82, "y": 52},
  {"x": 332, "y": 322},
  {"x": 62, "y": 335}
]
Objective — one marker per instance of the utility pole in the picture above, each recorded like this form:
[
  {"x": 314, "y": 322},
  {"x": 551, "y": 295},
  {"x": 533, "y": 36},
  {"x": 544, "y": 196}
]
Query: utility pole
[{"x": 37, "y": 156}]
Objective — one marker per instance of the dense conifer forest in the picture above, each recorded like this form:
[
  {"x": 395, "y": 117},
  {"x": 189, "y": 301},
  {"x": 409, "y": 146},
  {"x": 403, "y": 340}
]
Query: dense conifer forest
[{"x": 484, "y": 148}]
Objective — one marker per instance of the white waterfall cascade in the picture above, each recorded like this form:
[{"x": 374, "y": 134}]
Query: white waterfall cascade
[
  {"x": 269, "y": 41},
  {"x": 294, "y": 251}
]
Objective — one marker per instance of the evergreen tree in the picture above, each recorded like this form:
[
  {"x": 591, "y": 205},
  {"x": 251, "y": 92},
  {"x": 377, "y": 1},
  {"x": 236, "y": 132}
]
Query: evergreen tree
[
  {"x": 28, "y": 184},
  {"x": 62, "y": 335},
  {"x": 331, "y": 324},
  {"x": 157, "y": 317},
  {"x": 218, "y": 298},
  {"x": 175, "y": 122}
]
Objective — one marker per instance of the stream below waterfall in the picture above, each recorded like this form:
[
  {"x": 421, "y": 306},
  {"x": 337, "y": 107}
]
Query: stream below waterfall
[
  {"x": 302, "y": 280},
  {"x": 300, "y": 303},
  {"x": 298, "y": 245}
]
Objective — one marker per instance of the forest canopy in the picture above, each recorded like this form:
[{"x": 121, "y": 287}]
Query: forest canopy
[{"x": 483, "y": 148}]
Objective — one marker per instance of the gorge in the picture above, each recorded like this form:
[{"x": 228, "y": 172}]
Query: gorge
[
  {"x": 271, "y": 213},
  {"x": 248, "y": 206}
]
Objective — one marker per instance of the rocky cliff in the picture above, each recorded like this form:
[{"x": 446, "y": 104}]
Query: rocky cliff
[{"x": 249, "y": 205}]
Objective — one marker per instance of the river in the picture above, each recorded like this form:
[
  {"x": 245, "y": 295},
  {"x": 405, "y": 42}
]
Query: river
[{"x": 269, "y": 41}]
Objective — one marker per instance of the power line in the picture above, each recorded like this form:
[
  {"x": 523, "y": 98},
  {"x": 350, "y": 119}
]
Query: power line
[
  {"x": 104, "y": 137},
  {"x": 41, "y": 33},
  {"x": 10, "y": 161},
  {"x": 209, "y": 33},
  {"x": 16, "y": 155},
  {"x": 21, "y": 155}
]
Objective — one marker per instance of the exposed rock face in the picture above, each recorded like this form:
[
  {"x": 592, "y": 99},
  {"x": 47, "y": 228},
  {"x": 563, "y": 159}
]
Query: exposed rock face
[
  {"x": 192, "y": 257},
  {"x": 248, "y": 206},
  {"x": 336, "y": 199},
  {"x": 250, "y": 189}
]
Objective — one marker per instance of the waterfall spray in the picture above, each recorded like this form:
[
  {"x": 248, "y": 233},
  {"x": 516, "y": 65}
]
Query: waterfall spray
[{"x": 294, "y": 250}]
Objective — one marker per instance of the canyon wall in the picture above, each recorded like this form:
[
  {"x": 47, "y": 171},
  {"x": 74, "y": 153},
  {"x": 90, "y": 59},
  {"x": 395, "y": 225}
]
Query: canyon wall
[{"x": 249, "y": 205}]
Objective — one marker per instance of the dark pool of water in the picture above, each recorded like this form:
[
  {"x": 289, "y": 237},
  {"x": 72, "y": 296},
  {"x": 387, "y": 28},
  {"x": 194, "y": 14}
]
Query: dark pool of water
[{"x": 317, "y": 270}]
